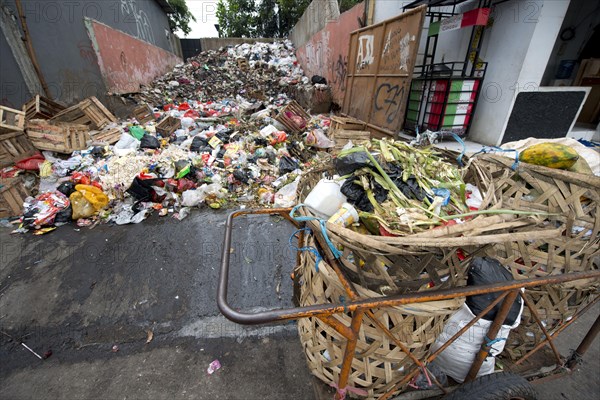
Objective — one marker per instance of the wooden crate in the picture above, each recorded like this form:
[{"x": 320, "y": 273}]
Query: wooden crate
[
  {"x": 286, "y": 114},
  {"x": 62, "y": 137},
  {"x": 41, "y": 107},
  {"x": 347, "y": 123},
  {"x": 342, "y": 136},
  {"x": 143, "y": 114},
  {"x": 106, "y": 136},
  {"x": 11, "y": 120},
  {"x": 168, "y": 126},
  {"x": 12, "y": 195},
  {"x": 14, "y": 146},
  {"x": 242, "y": 63},
  {"x": 88, "y": 112}
]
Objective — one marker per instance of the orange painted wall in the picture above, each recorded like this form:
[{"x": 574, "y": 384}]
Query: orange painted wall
[
  {"x": 326, "y": 53},
  {"x": 126, "y": 62}
]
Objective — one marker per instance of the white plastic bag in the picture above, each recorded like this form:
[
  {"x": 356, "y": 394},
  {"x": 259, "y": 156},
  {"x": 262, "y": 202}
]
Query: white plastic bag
[
  {"x": 286, "y": 196},
  {"x": 457, "y": 358},
  {"x": 193, "y": 198},
  {"x": 126, "y": 145},
  {"x": 317, "y": 138}
]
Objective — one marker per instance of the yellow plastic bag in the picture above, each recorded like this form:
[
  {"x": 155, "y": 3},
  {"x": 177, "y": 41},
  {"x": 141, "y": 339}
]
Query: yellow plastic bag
[
  {"x": 95, "y": 196},
  {"x": 81, "y": 207}
]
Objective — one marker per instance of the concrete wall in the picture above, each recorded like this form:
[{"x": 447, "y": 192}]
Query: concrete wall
[
  {"x": 216, "y": 43},
  {"x": 326, "y": 53},
  {"x": 12, "y": 84},
  {"x": 314, "y": 19},
  {"x": 517, "y": 47},
  {"x": 129, "y": 64},
  {"x": 64, "y": 50}
]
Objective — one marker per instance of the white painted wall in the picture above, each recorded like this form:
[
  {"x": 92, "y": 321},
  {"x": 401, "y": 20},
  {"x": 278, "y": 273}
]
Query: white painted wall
[{"x": 517, "y": 48}]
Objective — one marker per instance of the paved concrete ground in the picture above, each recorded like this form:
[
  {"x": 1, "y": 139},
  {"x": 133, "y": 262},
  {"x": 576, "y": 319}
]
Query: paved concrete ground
[{"x": 79, "y": 293}]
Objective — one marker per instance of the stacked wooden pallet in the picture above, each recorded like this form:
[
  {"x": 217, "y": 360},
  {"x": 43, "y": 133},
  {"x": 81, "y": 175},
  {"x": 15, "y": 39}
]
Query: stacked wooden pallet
[
  {"x": 12, "y": 195},
  {"x": 11, "y": 120},
  {"x": 41, "y": 107},
  {"x": 89, "y": 112},
  {"x": 14, "y": 146},
  {"x": 62, "y": 137},
  {"x": 343, "y": 130}
]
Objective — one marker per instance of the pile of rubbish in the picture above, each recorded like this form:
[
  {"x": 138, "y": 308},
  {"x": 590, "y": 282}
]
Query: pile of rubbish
[
  {"x": 392, "y": 188},
  {"x": 254, "y": 72},
  {"x": 207, "y": 142}
]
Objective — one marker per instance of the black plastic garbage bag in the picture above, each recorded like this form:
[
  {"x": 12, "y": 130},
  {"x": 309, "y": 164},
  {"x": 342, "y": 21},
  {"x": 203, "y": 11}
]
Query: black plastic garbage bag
[
  {"x": 287, "y": 164},
  {"x": 318, "y": 79},
  {"x": 240, "y": 175},
  {"x": 142, "y": 190},
  {"x": 149, "y": 142},
  {"x": 259, "y": 141},
  {"x": 350, "y": 163},
  {"x": 224, "y": 135},
  {"x": 410, "y": 188},
  {"x": 485, "y": 270},
  {"x": 98, "y": 151},
  {"x": 198, "y": 143},
  {"x": 357, "y": 196},
  {"x": 64, "y": 215},
  {"x": 66, "y": 188}
]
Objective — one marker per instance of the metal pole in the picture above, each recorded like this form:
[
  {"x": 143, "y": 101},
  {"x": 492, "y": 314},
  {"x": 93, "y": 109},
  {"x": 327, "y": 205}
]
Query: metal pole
[
  {"x": 491, "y": 335},
  {"x": 349, "y": 355},
  {"x": 584, "y": 345}
]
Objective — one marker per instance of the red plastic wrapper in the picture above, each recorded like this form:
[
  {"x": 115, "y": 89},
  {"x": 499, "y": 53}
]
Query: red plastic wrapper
[
  {"x": 192, "y": 114},
  {"x": 184, "y": 107},
  {"x": 49, "y": 204},
  {"x": 279, "y": 137},
  {"x": 81, "y": 178},
  {"x": 184, "y": 184}
]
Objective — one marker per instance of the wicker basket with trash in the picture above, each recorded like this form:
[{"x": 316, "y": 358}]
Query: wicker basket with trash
[
  {"x": 571, "y": 203},
  {"x": 406, "y": 238}
]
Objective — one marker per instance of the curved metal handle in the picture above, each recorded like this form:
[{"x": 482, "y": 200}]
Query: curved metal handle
[{"x": 362, "y": 304}]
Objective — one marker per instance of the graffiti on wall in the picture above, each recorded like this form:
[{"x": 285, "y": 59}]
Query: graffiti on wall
[
  {"x": 317, "y": 53},
  {"x": 397, "y": 47},
  {"x": 338, "y": 72},
  {"x": 387, "y": 99},
  {"x": 130, "y": 11},
  {"x": 364, "y": 56},
  {"x": 326, "y": 53}
]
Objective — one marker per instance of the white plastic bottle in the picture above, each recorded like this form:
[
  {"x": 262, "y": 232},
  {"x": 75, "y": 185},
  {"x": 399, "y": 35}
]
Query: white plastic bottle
[{"x": 326, "y": 198}]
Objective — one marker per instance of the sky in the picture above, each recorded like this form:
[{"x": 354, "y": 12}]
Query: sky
[{"x": 205, "y": 12}]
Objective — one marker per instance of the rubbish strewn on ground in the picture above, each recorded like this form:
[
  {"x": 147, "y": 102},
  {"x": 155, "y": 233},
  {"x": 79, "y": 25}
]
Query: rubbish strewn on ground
[{"x": 206, "y": 134}]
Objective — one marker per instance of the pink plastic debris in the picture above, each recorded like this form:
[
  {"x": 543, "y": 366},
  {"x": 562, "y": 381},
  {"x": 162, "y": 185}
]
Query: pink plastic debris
[{"x": 213, "y": 366}]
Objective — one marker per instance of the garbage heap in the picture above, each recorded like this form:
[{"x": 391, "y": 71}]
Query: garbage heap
[{"x": 217, "y": 131}]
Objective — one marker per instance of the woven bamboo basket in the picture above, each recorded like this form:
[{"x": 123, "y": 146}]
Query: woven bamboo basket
[
  {"x": 574, "y": 201},
  {"x": 378, "y": 364},
  {"x": 555, "y": 305},
  {"x": 395, "y": 265}
]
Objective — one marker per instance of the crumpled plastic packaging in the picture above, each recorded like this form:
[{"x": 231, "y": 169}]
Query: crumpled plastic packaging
[
  {"x": 46, "y": 206},
  {"x": 286, "y": 196},
  {"x": 126, "y": 145},
  {"x": 317, "y": 138}
]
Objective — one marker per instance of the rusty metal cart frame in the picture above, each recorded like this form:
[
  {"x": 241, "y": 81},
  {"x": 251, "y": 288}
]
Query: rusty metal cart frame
[{"x": 361, "y": 308}]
